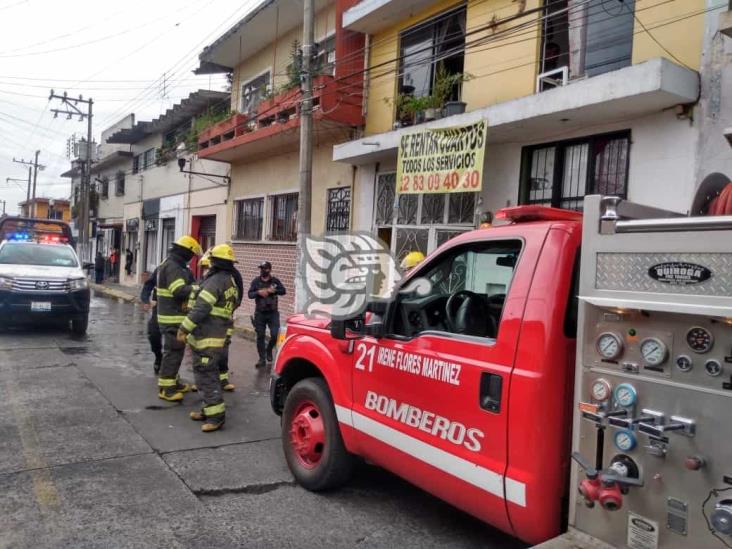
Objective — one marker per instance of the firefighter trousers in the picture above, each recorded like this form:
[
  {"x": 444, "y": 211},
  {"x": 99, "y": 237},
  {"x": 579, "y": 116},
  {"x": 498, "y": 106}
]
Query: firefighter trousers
[
  {"x": 173, "y": 351},
  {"x": 154, "y": 336},
  {"x": 206, "y": 365}
]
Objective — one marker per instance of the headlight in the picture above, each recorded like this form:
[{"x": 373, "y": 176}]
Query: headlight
[
  {"x": 6, "y": 283},
  {"x": 78, "y": 284},
  {"x": 281, "y": 336}
]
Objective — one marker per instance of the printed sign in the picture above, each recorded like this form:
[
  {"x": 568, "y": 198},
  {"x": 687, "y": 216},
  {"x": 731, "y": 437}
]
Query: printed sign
[
  {"x": 442, "y": 160},
  {"x": 642, "y": 532},
  {"x": 679, "y": 273}
]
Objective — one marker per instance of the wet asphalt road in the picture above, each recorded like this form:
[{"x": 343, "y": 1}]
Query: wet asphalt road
[{"x": 90, "y": 457}]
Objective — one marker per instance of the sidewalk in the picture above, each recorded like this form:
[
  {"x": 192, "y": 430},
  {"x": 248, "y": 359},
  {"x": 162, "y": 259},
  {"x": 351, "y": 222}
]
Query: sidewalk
[{"x": 131, "y": 294}]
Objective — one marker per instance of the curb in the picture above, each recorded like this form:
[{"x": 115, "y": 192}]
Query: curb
[{"x": 100, "y": 288}]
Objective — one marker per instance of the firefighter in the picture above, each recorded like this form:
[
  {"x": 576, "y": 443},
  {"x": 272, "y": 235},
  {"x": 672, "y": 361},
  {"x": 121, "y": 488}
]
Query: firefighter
[
  {"x": 174, "y": 286},
  {"x": 205, "y": 264},
  {"x": 206, "y": 328},
  {"x": 149, "y": 301},
  {"x": 411, "y": 260}
]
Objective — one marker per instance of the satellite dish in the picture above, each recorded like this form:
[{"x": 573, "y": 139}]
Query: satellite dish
[{"x": 709, "y": 189}]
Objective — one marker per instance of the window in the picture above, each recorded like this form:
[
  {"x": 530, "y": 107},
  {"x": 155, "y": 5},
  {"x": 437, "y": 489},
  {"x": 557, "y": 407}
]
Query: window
[
  {"x": 119, "y": 183},
  {"x": 104, "y": 187},
  {"x": 283, "y": 217},
  {"x": 468, "y": 288},
  {"x": 55, "y": 214},
  {"x": 149, "y": 159},
  {"x": 168, "y": 234},
  {"x": 561, "y": 174},
  {"x": 253, "y": 91},
  {"x": 325, "y": 56},
  {"x": 249, "y": 219},
  {"x": 588, "y": 40},
  {"x": 338, "y": 216},
  {"x": 136, "y": 163},
  {"x": 442, "y": 39},
  {"x": 47, "y": 255}
]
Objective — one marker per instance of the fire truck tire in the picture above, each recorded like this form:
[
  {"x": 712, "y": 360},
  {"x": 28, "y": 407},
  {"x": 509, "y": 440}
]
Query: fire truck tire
[{"x": 311, "y": 438}]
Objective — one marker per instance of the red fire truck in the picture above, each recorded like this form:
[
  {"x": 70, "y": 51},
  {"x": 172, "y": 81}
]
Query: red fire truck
[{"x": 470, "y": 390}]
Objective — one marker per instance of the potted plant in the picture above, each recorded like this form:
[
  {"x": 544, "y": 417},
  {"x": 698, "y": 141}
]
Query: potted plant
[{"x": 445, "y": 84}]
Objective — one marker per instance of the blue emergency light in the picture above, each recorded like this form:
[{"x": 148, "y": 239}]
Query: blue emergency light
[{"x": 19, "y": 236}]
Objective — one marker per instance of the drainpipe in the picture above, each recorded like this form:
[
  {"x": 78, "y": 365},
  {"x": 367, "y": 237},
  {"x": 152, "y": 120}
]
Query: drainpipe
[{"x": 366, "y": 79}]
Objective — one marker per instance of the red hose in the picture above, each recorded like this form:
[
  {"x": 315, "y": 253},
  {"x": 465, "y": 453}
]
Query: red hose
[{"x": 722, "y": 203}]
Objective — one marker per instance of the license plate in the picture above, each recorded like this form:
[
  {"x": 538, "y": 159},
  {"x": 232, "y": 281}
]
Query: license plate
[{"x": 40, "y": 306}]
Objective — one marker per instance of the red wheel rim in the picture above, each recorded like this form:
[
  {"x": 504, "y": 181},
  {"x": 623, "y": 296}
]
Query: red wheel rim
[{"x": 307, "y": 434}]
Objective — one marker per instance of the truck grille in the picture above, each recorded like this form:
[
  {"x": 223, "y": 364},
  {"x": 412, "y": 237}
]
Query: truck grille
[{"x": 40, "y": 285}]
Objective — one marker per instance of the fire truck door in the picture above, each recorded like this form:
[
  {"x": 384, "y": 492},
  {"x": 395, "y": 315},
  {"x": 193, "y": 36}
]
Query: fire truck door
[{"x": 431, "y": 395}]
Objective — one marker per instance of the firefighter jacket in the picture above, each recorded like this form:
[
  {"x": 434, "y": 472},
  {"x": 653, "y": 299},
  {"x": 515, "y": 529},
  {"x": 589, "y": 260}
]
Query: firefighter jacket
[
  {"x": 174, "y": 286},
  {"x": 211, "y": 320}
]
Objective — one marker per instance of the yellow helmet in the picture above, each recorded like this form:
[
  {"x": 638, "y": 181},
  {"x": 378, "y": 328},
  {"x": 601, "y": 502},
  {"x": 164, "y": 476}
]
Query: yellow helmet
[
  {"x": 189, "y": 243},
  {"x": 411, "y": 260},
  {"x": 223, "y": 251},
  {"x": 206, "y": 260}
]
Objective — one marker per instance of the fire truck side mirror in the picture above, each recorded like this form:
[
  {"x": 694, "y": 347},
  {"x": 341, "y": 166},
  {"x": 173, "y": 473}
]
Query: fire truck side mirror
[{"x": 348, "y": 329}]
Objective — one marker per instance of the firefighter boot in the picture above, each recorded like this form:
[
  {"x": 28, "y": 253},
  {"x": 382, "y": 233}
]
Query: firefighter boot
[
  {"x": 197, "y": 416},
  {"x": 171, "y": 394},
  {"x": 212, "y": 424},
  {"x": 226, "y": 385}
]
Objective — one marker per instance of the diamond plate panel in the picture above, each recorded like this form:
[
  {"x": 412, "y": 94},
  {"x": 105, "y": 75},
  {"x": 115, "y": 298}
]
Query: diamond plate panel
[{"x": 629, "y": 272}]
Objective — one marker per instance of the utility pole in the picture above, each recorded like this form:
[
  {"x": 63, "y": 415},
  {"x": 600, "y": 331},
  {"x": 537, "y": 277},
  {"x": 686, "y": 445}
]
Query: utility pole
[
  {"x": 73, "y": 110},
  {"x": 33, "y": 168},
  {"x": 306, "y": 148}
]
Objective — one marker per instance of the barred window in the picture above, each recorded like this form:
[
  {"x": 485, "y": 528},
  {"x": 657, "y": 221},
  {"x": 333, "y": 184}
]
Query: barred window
[
  {"x": 561, "y": 174},
  {"x": 249, "y": 219},
  {"x": 283, "y": 225},
  {"x": 104, "y": 187},
  {"x": 119, "y": 183},
  {"x": 339, "y": 210}
]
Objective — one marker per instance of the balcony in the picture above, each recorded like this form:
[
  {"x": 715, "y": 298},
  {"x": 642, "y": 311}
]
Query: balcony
[
  {"x": 275, "y": 124},
  {"x": 371, "y": 16}
]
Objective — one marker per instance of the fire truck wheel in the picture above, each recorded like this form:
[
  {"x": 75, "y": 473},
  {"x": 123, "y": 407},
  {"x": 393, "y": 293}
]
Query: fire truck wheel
[{"x": 311, "y": 438}]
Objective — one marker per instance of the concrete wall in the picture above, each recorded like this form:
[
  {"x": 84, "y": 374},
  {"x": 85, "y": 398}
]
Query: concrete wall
[
  {"x": 112, "y": 208},
  {"x": 275, "y": 56}
]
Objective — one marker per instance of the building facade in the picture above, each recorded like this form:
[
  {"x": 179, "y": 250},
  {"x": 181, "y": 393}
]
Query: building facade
[
  {"x": 578, "y": 98},
  {"x": 46, "y": 208},
  {"x": 260, "y": 139},
  {"x": 162, "y": 201}
]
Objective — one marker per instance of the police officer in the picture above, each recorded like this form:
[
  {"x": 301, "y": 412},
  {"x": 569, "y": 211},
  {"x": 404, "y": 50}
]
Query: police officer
[
  {"x": 264, "y": 291},
  {"x": 149, "y": 300},
  {"x": 206, "y": 328},
  {"x": 205, "y": 265},
  {"x": 174, "y": 286}
]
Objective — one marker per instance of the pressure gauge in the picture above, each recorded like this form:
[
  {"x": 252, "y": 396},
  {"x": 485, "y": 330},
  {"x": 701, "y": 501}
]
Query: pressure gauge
[
  {"x": 601, "y": 390},
  {"x": 625, "y": 440},
  {"x": 699, "y": 340},
  {"x": 713, "y": 367},
  {"x": 625, "y": 395},
  {"x": 654, "y": 351},
  {"x": 609, "y": 345},
  {"x": 684, "y": 363}
]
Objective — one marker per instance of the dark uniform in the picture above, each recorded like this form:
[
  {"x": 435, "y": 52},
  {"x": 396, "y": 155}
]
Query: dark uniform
[
  {"x": 148, "y": 294},
  {"x": 266, "y": 314},
  {"x": 209, "y": 325},
  {"x": 175, "y": 283}
]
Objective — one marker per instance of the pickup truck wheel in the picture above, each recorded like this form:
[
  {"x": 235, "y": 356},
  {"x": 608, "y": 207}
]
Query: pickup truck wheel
[
  {"x": 311, "y": 437},
  {"x": 79, "y": 325}
]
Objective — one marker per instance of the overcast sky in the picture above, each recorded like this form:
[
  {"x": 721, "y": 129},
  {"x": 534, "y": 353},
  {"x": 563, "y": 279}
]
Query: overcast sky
[{"x": 113, "y": 52}]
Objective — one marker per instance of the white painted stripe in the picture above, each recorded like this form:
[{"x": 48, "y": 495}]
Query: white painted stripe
[{"x": 458, "y": 467}]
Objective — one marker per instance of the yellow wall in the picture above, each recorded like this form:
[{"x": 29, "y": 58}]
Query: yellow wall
[
  {"x": 41, "y": 211},
  {"x": 680, "y": 28},
  {"x": 275, "y": 174},
  {"x": 277, "y": 54},
  {"x": 506, "y": 68}
]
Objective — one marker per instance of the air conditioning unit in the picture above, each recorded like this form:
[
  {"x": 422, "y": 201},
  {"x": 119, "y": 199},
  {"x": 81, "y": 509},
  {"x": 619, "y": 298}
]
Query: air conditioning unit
[{"x": 552, "y": 79}]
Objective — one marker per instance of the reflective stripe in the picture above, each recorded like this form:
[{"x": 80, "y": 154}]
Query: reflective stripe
[
  {"x": 162, "y": 292},
  {"x": 170, "y": 319},
  {"x": 214, "y": 410},
  {"x": 205, "y": 342},
  {"x": 230, "y": 332},
  {"x": 204, "y": 360},
  {"x": 467, "y": 471},
  {"x": 224, "y": 376},
  {"x": 188, "y": 324},
  {"x": 177, "y": 283},
  {"x": 167, "y": 382},
  {"x": 221, "y": 312},
  {"x": 208, "y": 297}
]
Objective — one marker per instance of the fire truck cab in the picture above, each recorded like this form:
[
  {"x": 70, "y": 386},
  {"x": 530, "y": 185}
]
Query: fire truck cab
[{"x": 464, "y": 389}]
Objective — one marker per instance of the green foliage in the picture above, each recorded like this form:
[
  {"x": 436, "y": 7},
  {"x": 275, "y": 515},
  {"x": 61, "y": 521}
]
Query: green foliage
[
  {"x": 203, "y": 122},
  {"x": 294, "y": 69}
]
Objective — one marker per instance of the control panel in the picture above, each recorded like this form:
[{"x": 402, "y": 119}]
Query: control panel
[{"x": 655, "y": 453}]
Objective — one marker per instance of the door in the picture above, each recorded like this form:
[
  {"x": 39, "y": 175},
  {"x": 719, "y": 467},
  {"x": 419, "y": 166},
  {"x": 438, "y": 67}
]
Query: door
[
  {"x": 168, "y": 236},
  {"x": 431, "y": 395}
]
